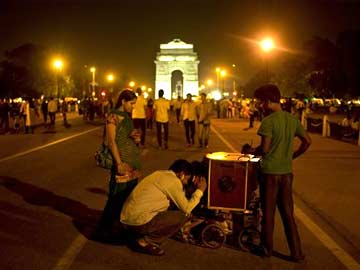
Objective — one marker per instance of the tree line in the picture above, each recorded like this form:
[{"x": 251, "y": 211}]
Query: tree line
[{"x": 323, "y": 68}]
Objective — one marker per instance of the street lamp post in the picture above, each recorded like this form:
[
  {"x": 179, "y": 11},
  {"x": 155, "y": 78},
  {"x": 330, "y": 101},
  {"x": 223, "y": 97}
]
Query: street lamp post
[
  {"x": 58, "y": 65},
  {"x": 93, "y": 70},
  {"x": 223, "y": 74},
  {"x": 267, "y": 46},
  {"x": 218, "y": 70}
]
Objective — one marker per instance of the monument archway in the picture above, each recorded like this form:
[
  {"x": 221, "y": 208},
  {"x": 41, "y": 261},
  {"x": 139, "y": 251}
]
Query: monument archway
[{"x": 174, "y": 57}]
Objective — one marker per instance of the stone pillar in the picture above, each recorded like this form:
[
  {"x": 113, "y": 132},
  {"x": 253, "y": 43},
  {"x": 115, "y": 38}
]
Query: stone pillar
[{"x": 326, "y": 126}]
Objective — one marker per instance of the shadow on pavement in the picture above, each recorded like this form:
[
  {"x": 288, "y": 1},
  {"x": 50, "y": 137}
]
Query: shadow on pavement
[{"x": 84, "y": 219}]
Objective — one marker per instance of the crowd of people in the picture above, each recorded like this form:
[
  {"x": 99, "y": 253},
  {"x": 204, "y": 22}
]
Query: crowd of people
[{"x": 24, "y": 115}]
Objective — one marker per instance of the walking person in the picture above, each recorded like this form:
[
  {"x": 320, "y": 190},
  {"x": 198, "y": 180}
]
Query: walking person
[
  {"x": 188, "y": 112},
  {"x": 161, "y": 111},
  {"x": 150, "y": 113},
  {"x": 177, "y": 105},
  {"x": 203, "y": 111},
  {"x": 64, "y": 109},
  {"x": 252, "y": 113},
  {"x": 122, "y": 142},
  {"x": 44, "y": 110},
  {"x": 52, "y": 109},
  {"x": 139, "y": 115},
  {"x": 26, "y": 114},
  {"x": 278, "y": 130}
]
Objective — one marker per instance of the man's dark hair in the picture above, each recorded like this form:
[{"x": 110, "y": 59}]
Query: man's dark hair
[
  {"x": 268, "y": 92},
  {"x": 181, "y": 165},
  {"x": 161, "y": 93},
  {"x": 138, "y": 91},
  {"x": 199, "y": 168}
]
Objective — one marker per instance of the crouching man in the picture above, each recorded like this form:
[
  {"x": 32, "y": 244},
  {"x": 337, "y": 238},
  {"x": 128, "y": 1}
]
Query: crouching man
[{"x": 146, "y": 212}]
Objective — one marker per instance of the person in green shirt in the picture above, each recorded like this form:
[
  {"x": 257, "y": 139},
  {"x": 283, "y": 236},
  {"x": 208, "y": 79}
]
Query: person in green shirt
[
  {"x": 122, "y": 140},
  {"x": 278, "y": 131}
]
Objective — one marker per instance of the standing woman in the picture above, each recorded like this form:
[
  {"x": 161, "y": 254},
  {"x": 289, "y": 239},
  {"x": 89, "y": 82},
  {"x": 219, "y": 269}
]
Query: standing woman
[{"x": 121, "y": 140}]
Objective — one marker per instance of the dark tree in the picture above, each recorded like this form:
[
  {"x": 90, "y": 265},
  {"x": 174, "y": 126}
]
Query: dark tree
[{"x": 24, "y": 72}]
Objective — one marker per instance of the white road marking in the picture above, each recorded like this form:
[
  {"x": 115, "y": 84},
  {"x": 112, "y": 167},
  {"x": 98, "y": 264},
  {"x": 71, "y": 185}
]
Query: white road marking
[
  {"x": 70, "y": 254},
  {"x": 76, "y": 246},
  {"x": 349, "y": 262},
  {"x": 335, "y": 249},
  {"x": 224, "y": 140},
  {"x": 46, "y": 145}
]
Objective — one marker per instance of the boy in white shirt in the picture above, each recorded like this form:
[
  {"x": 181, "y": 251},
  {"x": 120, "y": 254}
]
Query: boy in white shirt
[{"x": 161, "y": 110}]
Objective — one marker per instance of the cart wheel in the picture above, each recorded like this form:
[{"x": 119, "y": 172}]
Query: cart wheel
[
  {"x": 213, "y": 236},
  {"x": 248, "y": 238}
]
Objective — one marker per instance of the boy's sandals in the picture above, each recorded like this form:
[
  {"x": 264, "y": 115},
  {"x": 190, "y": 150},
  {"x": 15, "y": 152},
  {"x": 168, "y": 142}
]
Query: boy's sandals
[{"x": 150, "y": 249}]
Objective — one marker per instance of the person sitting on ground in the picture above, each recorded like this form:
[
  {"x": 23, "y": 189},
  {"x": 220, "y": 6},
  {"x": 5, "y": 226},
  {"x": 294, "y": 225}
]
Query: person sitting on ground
[{"x": 146, "y": 212}]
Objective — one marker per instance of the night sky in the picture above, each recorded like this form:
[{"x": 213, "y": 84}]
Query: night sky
[{"x": 124, "y": 36}]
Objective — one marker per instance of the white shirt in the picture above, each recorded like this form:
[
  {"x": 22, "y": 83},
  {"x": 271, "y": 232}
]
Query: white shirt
[
  {"x": 162, "y": 107},
  {"x": 177, "y": 104},
  {"x": 52, "y": 106},
  {"x": 139, "y": 108},
  {"x": 204, "y": 111},
  {"x": 188, "y": 110},
  {"x": 153, "y": 195}
]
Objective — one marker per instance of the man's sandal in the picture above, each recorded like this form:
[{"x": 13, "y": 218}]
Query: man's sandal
[{"x": 148, "y": 249}]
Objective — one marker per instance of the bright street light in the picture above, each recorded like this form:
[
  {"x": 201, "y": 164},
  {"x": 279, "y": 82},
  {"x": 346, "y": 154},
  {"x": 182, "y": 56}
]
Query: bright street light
[
  {"x": 132, "y": 84},
  {"x": 209, "y": 82},
  {"x": 58, "y": 64},
  {"x": 267, "y": 44},
  {"x": 110, "y": 77}
]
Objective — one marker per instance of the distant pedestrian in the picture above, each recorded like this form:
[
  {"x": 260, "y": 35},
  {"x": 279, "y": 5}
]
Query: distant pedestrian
[
  {"x": 52, "y": 109},
  {"x": 252, "y": 113},
  {"x": 64, "y": 109},
  {"x": 278, "y": 130},
  {"x": 149, "y": 113},
  {"x": 188, "y": 112},
  {"x": 44, "y": 110},
  {"x": 177, "y": 105},
  {"x": 161, "y": 111},
  {"x": 25, "y": 111},
  {"x": 139, "y": 115},
  {"x": 204, "y": 111}
]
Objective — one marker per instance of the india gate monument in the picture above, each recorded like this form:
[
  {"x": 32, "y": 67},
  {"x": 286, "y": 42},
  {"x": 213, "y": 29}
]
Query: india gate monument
[{"x": 176, "y": 70}]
